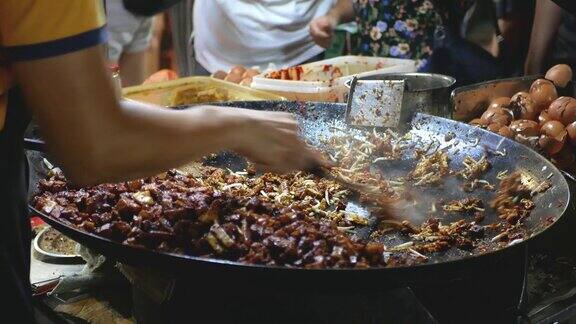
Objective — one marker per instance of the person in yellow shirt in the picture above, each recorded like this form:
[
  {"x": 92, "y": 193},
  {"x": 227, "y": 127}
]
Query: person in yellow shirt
[{"x": 53, "y": 66}]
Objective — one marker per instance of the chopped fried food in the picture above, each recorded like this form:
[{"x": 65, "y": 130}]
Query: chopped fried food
[
  {"x": 465, "y": 205},
  {"x": 189, "y": 94},
  {"x": 430, "y": 169},
  {"x": 356, "y": 219},
  {"x": 403, "y": 226},
  {"x": 472, "y": 172},
  {"x": 356, "y": 153},
  {"x": 436, "y": 237},
  {"x": 474, "y": 169},
  {"x": 470, "y": 186},
  {"x": 513, "y": 199}
]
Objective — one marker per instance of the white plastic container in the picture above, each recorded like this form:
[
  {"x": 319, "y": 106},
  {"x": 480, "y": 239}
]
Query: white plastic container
[{"x": 325, "y": 80}]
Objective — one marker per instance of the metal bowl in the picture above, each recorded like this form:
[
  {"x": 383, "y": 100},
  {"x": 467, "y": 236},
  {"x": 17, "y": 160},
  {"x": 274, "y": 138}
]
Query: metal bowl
[
  {"x": 472, "y": 100},
  {"x": 44, "y": 254},
  {"x": 427, "y": 93}
]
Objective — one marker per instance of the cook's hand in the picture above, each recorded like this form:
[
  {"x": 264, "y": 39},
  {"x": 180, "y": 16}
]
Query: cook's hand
[
  {"x": 322, "y": 30},
  {"x": 270, "y": 140}
]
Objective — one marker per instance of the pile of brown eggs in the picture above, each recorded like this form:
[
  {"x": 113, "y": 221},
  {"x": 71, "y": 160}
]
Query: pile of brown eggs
[
  {"x": 538, "y": 118},
  {"x": 238, "y": 74}
]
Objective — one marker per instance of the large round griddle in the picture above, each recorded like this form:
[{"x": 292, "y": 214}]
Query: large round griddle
[{"x": 322, "y": 120}]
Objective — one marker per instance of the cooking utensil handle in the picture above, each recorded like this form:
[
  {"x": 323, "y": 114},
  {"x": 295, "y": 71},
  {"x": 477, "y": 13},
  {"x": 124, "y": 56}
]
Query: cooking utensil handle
[
  {"x": 317, "y": 170},
  {"x": 31, "y": 144}
]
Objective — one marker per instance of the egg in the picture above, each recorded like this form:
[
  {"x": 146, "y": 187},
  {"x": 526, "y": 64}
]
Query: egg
[
  {"x": 492, "y": 110},
  {"x": 553, "y": 136},
  {"x": 564, "y": 159},
  {"x": 479, "y": 122},
  {"x": 250, "y": 73},
  {"x": 506, "y": 132},
  {"x": 246, "y": 81},
  {"x": 525, "y": 127},
  {"x": 543, "y": 117},
  {"x": 560, "y": 74},
  {"x": 496, "y": 115},
  {"x": 233, "y": 77},
  {"x": 523, "y": 106},
  {"x": 554, "y": 129},
  {"x": 494, "y": 127},
  {"x": 238, "y": 69},
  {"x": 488, "y": 114},
  {"x": 571, "y": 130},
  {"x": 497, "y": 108},
  {"x": 503, "y": 119},
  {"x": 543, "y": 92},
  {"x": 219, "y": 75},
  {"x": 563, "y": 110},
  {"x": 500, "y": 102},
  {"x": 550, "y": 145}
]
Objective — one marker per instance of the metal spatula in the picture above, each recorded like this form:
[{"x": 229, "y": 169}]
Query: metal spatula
[
  {"x": 323, "y": 172},
  {"x": 375, "y": 103}
]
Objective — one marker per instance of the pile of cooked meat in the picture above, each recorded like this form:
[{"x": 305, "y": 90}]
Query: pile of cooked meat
[{"x": 273, "y": 220}]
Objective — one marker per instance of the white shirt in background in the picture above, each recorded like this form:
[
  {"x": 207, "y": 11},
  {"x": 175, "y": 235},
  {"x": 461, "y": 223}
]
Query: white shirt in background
[{"x": 257, "y": 32}]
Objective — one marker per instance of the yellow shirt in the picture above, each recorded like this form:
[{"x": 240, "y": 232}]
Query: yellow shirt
[{"x": 36, "y": 29}]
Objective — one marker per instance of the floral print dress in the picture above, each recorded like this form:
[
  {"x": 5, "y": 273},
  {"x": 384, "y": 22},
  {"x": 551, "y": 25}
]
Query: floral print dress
[{"x": 402, "y": 28}]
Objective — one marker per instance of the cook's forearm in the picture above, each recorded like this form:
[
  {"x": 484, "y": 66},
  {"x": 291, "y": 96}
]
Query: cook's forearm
[
  {"x": 547, "y": 19},
  {"x": 137, "y": 142},
  {"x": 343, "y": 11},
  {"x": 145, "y": 140},
  {"x": 94, "y": 138}
]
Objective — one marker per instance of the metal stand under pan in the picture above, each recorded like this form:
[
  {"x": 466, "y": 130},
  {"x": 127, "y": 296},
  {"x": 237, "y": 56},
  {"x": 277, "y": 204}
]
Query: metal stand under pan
[
  {"x": 550, "y": 296},
  {"x": 308, "y": 306}
]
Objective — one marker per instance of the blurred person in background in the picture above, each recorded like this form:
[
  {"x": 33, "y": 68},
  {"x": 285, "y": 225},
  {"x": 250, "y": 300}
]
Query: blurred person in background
[
  {"x": 254, "y": 33},
  {"x": 154, "y": 50},
  {"x": 514, "y": 19},
  {"x": 395, "y": 28},
  {"x": 553, "y": 38},
  {"x": 181, "y": 29},
  {"x": 463, "y": 32},
  {"x": 129, "y": 38}
]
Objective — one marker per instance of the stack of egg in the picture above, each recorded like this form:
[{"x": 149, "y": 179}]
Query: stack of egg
[
  {"x": 538, "y": 118},
  {"x": 237, "y": 74}
]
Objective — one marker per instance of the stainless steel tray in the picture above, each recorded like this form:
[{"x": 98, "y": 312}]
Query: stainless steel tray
[{"x": 471, "y": 101}]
